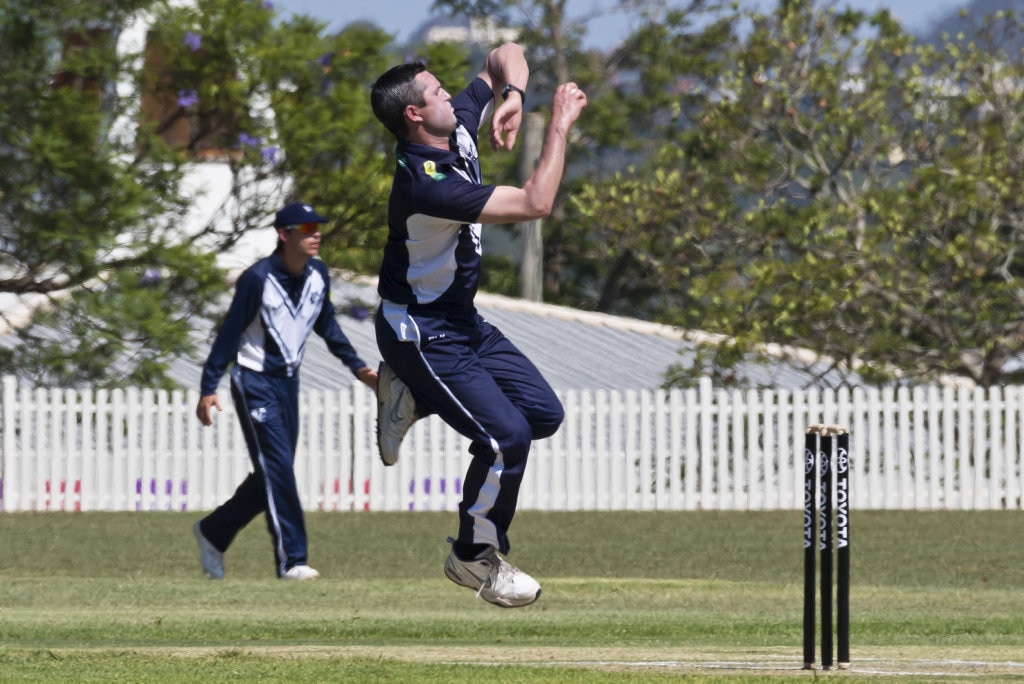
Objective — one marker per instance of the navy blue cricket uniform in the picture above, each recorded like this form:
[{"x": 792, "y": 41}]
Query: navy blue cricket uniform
[
  {"x": 264, "y": 334},
  {"x": 455, "y": 363}
]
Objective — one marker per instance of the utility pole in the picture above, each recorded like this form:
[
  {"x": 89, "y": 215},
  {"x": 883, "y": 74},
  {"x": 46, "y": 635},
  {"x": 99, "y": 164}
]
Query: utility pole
[{"x": 531, "y": 266}]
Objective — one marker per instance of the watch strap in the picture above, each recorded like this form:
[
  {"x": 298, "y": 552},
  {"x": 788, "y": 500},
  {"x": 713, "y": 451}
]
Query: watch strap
[{"x": 509, "y": 88}]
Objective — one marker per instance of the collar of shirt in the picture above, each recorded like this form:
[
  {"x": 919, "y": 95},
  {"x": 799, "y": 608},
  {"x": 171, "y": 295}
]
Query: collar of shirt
[
  {"x": 292, "y": 283},
  {"x": 449, "y": 157}
]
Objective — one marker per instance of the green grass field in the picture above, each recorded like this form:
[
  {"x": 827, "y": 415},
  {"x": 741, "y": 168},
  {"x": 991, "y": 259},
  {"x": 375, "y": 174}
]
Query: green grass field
[{"x": 710, "y": 596}]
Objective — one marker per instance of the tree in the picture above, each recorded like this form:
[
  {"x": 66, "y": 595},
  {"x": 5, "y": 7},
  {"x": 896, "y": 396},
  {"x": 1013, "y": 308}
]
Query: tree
[
  {"x": 886, "y": 229},
  {"x": 636, "y": 223},
  {"x": 802, "y": 131},
  {"x": 85, "y": 224},
  {"x": 959, "y": 225}
]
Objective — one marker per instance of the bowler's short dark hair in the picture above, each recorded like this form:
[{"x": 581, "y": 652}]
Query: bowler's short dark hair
[{"x": 393, "y": 92}]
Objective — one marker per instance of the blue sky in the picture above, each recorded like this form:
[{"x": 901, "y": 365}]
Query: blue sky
[{"x": 402, "y": 17}]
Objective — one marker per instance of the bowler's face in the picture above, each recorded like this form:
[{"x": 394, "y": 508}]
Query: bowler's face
[{"x": 438, "y": 117}]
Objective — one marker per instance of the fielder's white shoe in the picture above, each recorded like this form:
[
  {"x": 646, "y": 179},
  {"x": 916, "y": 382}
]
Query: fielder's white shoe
[
  {"x": 210, "y": 558},
  {"x": 495, "y": 580},
  {"x": 301, "y": 572},
  {"x": 396, "y": 412}
]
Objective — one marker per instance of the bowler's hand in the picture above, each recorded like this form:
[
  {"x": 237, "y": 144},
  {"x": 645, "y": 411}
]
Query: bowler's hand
[
  {"x": 505, "y": 122},
  {"x": 368, "y": 377},
  {"x": 203, "y": 409},
  {"x": 567, "y": 104}
]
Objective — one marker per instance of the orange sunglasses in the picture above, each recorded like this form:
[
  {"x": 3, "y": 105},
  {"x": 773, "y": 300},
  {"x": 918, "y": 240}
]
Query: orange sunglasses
[{"x": 306, "y": 228}]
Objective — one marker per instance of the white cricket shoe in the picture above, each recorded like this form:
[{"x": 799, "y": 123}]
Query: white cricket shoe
[
  {"x": 495, "y": 580},
  {"x": 396, "y": 412},
  {"x": 210, "y": 558},
  {"x": 301, "y": 572}
]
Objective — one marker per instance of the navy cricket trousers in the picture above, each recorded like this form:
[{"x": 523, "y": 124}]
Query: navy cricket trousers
[
  {"x": 268, "y": 410},
  {"x": 465, "y": 370}
]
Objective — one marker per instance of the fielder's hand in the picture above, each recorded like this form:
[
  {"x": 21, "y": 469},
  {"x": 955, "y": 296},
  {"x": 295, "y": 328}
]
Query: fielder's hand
[
  {"x": 368, "y": 377},
  {"x": 203, "y": 409}
]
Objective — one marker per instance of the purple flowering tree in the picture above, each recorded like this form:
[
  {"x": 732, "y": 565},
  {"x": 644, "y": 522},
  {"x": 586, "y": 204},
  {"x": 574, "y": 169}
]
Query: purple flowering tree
[
  {"x": 97, "y": 289},
  {"x": 92, "y": 213}
]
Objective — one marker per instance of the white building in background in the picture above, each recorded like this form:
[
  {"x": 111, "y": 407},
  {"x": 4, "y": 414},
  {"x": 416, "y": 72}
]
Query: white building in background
[
  {"x": 208, "y": 179},
  {"x": 479, "y": 31}
]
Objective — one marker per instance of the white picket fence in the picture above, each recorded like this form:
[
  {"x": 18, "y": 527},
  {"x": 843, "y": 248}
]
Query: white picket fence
[{"x": 697, "y": 449}]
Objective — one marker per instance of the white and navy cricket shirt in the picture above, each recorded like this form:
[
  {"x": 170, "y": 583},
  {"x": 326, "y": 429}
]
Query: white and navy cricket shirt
[
  {"x": 432, "y": 256},
  {"x": 270, "y": 317}
]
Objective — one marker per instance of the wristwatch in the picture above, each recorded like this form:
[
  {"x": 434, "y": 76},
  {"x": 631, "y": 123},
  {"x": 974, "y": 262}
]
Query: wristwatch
[{"x": 509, "y": 88}]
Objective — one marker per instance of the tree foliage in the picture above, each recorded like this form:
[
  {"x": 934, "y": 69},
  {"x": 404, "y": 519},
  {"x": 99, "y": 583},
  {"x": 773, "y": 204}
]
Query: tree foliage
[
  {"x": 84, "y": 223},
  {"x": 875, "y": 185}
]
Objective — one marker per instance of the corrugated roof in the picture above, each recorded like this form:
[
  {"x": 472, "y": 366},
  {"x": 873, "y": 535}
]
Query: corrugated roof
[{"x": 574, "y": 349}]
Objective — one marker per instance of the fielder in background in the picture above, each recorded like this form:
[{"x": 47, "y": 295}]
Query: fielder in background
[
  {"x": 440, "y": 356},
  {"x": 277, "y": 302}
]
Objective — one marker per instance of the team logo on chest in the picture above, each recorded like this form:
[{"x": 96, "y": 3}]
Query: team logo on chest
[{"x": 430, "y": 168}]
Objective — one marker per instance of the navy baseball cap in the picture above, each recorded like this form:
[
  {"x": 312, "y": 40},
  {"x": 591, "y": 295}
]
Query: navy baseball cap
[{"x": 296, "y": 213}]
